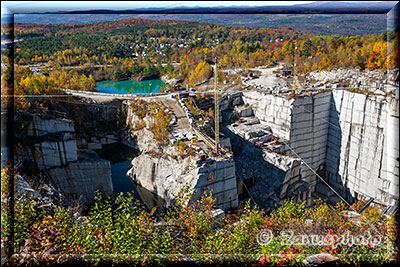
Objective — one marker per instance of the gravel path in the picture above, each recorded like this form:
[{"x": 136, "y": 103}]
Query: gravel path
[
  {"x": 182, "y": 121},
  {"x": 266, "y": 79}
]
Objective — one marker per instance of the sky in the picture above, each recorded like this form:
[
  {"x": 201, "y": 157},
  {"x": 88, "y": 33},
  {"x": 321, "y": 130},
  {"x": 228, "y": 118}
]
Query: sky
[{"x": 45, "y": 6}]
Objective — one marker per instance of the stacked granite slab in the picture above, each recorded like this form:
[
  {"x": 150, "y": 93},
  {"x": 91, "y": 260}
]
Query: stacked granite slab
[
  {"x": 220, "y": 179},
  {"x": 252, "y": 130},
  {"x": 308, "y": 137},
  {"x": 358, "y": 145},
  {"x": 53, "y": 142},
  {"x": 45, "y": 124},
  {"x": 347, "y": 139},
  {"x": 54, "y": 149},
  {"x": 272, "y": 110},
  {"x": 392, "y": 149},
  {"x": 293, "y": 184}
]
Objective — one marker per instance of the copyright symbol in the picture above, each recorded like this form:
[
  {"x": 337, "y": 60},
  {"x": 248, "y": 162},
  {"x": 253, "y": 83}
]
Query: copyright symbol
[{"x": 264, "y": 237}]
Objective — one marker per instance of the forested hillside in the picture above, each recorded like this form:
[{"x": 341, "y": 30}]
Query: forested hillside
[
  {"x": 343, "y": 24},
  {"x": 77, "y": 55}
]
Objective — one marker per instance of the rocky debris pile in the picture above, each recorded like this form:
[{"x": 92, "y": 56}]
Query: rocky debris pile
[
  {"x": 97, "y": 142},
  {"x": 352, "y": 77},
  {"x": 172, "y": 81},
  {"x": 187, "y": 112},
  {"x": 252, "y": 130},
  {"x": 46, "y": 198}
]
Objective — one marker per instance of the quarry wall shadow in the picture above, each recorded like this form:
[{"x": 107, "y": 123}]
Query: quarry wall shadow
[
  {"x": 332, "y": 160},
  {"x": 263, "y": 179}
]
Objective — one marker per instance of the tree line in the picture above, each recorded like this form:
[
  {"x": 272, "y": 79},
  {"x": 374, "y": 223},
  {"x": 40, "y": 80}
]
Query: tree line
[{"x": 136, "y": 49}]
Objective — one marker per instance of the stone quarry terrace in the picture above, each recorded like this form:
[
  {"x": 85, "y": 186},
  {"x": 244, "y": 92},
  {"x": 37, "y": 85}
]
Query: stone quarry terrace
[{"x": 294, "y": 138}]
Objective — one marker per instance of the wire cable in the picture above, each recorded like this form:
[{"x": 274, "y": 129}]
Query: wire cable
[{"x": 331, "y": 188}]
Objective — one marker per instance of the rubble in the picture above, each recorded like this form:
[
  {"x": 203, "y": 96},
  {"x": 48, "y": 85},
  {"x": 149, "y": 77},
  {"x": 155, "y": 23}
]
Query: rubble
[{"x": 352, "y": 77}]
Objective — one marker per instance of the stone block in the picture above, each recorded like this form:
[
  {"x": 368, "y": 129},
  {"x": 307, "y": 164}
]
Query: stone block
[
  {"x": 224, "y": 185},
  {"x": 203, "y": 169},
  {"x": 202, "y": 180},
  {"x": 84, "y": 177},
  {"x": 94, "y": 146},
  {"x": 321, "y": 116},
  {"x": 359, "y": 101},
  {"x": 42, "y": 125},
  {"x": 245, "y": 111},
  {"x": 322, "y": 108}
]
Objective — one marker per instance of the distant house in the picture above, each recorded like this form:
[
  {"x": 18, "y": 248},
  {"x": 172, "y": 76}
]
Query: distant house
[
  {"x": 285, "y": 73},
  {"x": 247, "y": 74}
]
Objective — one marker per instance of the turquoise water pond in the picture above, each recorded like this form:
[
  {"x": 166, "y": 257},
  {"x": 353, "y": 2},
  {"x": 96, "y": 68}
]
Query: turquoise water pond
[{"x": 130, "y": 86}]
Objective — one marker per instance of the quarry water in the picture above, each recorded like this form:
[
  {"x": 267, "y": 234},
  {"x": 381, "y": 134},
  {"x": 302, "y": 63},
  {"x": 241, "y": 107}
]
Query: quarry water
[
  {"x": 130, "y": 87},
  {"x": 121, "y": 181},
  {"x": 120, "y": 157}
]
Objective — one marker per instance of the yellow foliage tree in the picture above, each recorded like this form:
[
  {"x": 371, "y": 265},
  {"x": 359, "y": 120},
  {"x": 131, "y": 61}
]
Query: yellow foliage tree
[{"x": 378, "y": 56}]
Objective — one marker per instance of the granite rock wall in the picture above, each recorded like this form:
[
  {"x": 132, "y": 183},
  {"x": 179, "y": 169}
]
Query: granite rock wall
[
  {"x": 347, "y": 139},
  {"x": 166, "y": 177},
  {"x": 272, "y": 110},
  {"x": 361, "y": 143},
  {"x": 162, "y": 169},
  {"x": 53, "y": 148},
  {"x": 83, "y": 178}
]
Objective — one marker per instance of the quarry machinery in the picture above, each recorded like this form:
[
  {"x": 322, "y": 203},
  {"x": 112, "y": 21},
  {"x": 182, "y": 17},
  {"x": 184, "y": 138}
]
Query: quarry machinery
[{"x": 216, "y": 111}]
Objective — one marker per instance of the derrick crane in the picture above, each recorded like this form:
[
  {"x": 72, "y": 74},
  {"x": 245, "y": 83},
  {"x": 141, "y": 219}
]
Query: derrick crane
[
  {"x": 216, "y": 110},
  {"x": 295, "y": 80},
  {"x": 294, "y": 70}
]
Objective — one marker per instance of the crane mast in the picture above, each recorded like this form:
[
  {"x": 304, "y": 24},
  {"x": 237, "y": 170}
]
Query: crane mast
[{"x": 216, "y": 109}]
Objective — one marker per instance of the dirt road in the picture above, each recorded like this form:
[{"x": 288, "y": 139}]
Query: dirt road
[
  {"x": 266, "y": 79},
  {"x": 182, "y": 121}
]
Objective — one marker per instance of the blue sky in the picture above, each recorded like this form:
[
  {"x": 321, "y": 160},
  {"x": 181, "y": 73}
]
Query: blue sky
[{"x": 44, "y": 6}]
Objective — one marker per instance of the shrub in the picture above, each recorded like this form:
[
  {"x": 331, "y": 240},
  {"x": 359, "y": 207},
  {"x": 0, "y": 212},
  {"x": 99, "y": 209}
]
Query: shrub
[{"x": 290, "y": 214}]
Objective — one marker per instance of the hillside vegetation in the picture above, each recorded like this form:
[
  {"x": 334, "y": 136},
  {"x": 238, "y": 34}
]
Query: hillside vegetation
[
  {"x": 77, "y": 55},
  {"x": 119, "y": 230}
]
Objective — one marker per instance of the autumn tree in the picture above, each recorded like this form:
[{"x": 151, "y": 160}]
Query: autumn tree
[{"x": 378, "y": 56}]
